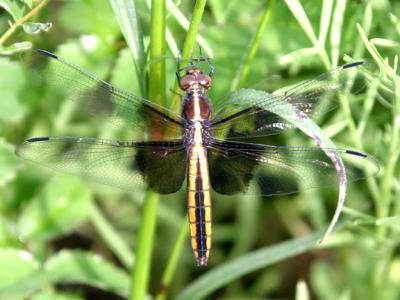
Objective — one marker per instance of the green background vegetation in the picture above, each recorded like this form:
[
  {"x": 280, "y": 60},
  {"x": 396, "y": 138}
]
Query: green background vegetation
[{"x": 65, "y": 238}]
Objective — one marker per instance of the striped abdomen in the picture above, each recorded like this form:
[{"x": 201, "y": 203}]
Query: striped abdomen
[{"x": 199, "y": 203}]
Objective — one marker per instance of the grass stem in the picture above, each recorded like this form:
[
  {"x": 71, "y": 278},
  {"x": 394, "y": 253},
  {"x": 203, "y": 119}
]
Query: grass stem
[
  {"x": 188, "y": 45},
  {"x": 243, "y": 71},
  {"x": 144, "y": 247},
  {"x": 157, "y": 92},
  {"x": 173, "y": 262}
]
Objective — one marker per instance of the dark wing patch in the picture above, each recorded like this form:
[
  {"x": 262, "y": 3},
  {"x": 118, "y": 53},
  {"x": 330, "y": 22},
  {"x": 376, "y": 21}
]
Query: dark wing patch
[
  {"x": 162, "y": 166},
  {"x": 230, "y": 170},
  {"x": 124, "y": 164},
  {"x": 281, "y": 170}
]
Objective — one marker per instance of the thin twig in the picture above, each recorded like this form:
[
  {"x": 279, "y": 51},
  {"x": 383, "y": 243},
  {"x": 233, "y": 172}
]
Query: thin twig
[{"x": 21, "y": 21}]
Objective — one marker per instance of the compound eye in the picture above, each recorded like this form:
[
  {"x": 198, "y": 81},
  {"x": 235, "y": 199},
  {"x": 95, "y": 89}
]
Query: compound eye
[
  {"x": 205, "y": 80},
  {"x": 186, "y": 82}
]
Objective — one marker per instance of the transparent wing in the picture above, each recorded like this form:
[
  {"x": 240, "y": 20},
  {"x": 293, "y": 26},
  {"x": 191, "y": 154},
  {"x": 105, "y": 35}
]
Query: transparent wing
[
  {"x": 257, "y": 113},
  {"x": 281, "y": 170},
  {"x": 103, "y": 100},
  {"x": 124, "y": 164}
]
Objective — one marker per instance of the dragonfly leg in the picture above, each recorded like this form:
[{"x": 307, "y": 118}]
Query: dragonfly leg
[{"x": 178, "y": 67}]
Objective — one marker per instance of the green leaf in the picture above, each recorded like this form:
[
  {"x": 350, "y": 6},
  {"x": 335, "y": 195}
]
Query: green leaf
[
  {"x": 9, "y": 163},
  {"x": 222, "y": 275},
  {"x": 14, "y": 8},
  {"x": 20, "y": 274},
  {"x": 35, "y": 28},
  {"x": 15, "y": 48},
  {"x": 63, "y": 204},
  {"x": 11, "y": 83},
  {"x": 86, "y": 268}
]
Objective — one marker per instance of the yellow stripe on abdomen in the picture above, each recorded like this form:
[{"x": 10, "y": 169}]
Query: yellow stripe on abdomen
[{"x": 199, "y": 204}]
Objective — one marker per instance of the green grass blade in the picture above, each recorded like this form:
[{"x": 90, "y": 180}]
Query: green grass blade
[
  {"x": 243, "y": 71},
  {"x": 127, "y": 18},
  {"x": 326, "y": 14},
  {"x": 298, "y": 12},
  {"x": 189, "y": 43},
  {"x": 222, "y": 275},
  {"x": 185, "y": 24},
  {"x": 382, "y": 63},
  {"x": 141, "y": 270},
  {"x": 173, "y": 262},
  {"x": 383, "y": 205},
  {"x": 336, "y": 30},
  {"x": 111, "y": 237},
  {"x": 392, "y": 154},
  {"x": 157, "y": 86},
  {"x": 190, "y": 40}
]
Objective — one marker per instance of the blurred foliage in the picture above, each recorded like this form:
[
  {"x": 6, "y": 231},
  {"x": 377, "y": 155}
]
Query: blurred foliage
[{"x": 64, "y": 238}]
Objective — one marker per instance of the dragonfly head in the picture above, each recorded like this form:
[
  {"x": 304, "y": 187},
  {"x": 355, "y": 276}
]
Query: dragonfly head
[{"x": 195, "y": 77}]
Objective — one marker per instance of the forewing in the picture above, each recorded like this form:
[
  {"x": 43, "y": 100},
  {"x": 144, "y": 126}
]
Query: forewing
[
  {"x": 257, "y": 113},
  {"x": 128, "y": 165},
  {"x": 281, "y": 170},
  {"x": 104, "y": 101}
]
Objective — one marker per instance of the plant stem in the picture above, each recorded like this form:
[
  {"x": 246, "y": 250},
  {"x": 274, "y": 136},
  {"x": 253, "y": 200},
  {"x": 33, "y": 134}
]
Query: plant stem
[
  {"x": 21, "y": 21},
  {"x": 298, "y": 12},
  {"x": 157, "y": 86},
  {"x": 141, "y": 271},
  {"x": 392, "y": 160},
  {"x": 188, "y": 45},
  {"x": 379, "y": 274},
  {"x": 384, "y": 204},
  {"x": 190, "y": 39},
  {"x": 243, "y": 71},
  {"x": 173, "y": 262}
]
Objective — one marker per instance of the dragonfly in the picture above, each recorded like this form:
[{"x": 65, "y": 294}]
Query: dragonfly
[{"x": 221, "y": 151}]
